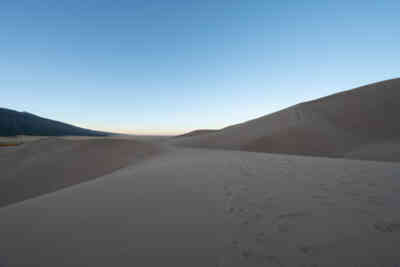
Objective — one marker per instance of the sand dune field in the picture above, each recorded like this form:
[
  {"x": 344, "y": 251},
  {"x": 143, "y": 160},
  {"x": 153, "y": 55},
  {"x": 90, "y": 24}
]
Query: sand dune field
[
  {"x": 200, "y": 207},
  {"x": 211, "y": 198},
  {"x": 45, "y": 165},
  {"x": 342, "y": 124}
]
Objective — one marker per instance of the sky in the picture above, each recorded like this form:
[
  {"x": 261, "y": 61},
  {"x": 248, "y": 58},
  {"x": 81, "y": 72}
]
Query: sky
[{"x": 167, "y": 67}]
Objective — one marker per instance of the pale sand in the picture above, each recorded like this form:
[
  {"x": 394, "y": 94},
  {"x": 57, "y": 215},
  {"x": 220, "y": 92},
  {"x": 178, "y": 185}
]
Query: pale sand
[
  {"x": 21, "y": 139},
  {"x": 333, "y": 126},
  {"x": 31, "y": 138},
  {"x": 196, "y": 133},
  {"x": 41, "y": 166},
  {"x": 147, "y": 138},
  {"x": 200, "y": 207},
  {"x": 386, "y": 151}
]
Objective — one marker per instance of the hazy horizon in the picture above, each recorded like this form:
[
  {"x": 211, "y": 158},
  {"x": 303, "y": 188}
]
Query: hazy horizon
[{"x": 157, "y": 67}]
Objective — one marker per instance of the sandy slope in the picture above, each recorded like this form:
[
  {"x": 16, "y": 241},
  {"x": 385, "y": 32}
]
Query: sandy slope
[
  {"x": 20, "y": 139},
  {"x": 196, "y": 133},
  {"x": 386, "y": 151},
  {"x": 199, "y": 207},
  {"x": 46, "y": 165},
  {"x": 332, "y": 126}
]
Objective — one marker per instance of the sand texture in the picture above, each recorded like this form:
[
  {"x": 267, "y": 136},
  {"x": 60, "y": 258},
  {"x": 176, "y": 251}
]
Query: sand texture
[
  {"x": 333, "y": 126},
  {"x": 196, "y": 133},
  {"x": 175, "y": 202},
  {"x": 46, "y": 165},
  {"x": 200, "y": 207}
]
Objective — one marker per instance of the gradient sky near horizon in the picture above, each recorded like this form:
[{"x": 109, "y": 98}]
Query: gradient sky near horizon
[{"x": 166, "y": 67}]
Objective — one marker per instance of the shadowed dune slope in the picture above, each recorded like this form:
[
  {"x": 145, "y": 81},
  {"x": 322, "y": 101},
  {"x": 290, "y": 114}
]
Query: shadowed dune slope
[
  {"x": 333, "y": 126},
  {"x": 196, "y": 133},
  {"x": 47, "y": 165},
  {"x": 202, "y": 207}
]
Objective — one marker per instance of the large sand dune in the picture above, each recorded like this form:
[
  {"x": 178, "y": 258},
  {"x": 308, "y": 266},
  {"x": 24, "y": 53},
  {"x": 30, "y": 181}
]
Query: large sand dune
[
  {"x": 332, "y": 126},
  {"x": 200, "y": 207},
  {"x": 46, "y": 165},
  {"x": 196, "y": 133},
  {"x": 211, "y": 207}
]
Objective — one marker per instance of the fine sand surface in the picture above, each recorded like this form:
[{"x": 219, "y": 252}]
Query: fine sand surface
[
  {"x": 20, "y": 139},
  {"x": 41, "y": 165},
  {"x": 351, "y": 123},
  {"x": 196, "y": 133},
  {"x": 200, "y": 207}
]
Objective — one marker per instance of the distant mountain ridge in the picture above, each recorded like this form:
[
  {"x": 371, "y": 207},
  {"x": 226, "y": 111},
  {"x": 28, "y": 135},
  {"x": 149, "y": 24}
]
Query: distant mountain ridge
[{"x": 14, "y": 123}]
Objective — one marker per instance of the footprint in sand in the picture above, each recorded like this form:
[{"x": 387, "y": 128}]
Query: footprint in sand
[
  {"x": 245, "y": 223},
  {"x": 319, "y": 197},
  {"x": 246, "y": 254},
  {"x": 231, "y": 190},
  {"x": 260, "y": 258},
  {"x": 388, "y": 226},
  {"x": 324, "y": 187},
  {"x": 258, "y": 216},
  {"x": 273, "y": 260},
  {"x": 283, "y": 221},
  {"x": 376, "y": 200},
  {"x": 230, "y": 210},
  {"x": 364, "y": 212},
  {"x": 353, "y": 195},
  {"x": 260, "y": 238},
  {"x": 245, "y": 172},
  {"x": 235, "y": 243},
  {"x": 294, "y": 215},
  {"x": 347, "y": 183},
  {"x": 328, "y": 203},
  {"x": 307, "y": 250},
  {"x": 284, "y": 227},
  {"x": 314, "y": 249}
]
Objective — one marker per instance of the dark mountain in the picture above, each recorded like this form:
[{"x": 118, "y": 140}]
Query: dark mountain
[{"x": 23, "y": 123}]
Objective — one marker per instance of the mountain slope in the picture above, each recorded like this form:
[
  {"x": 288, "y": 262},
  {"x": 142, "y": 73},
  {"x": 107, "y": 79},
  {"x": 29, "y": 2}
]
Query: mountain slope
[
  {"x": 22, "y": 123},
  {"x": 332, "y": 126}
]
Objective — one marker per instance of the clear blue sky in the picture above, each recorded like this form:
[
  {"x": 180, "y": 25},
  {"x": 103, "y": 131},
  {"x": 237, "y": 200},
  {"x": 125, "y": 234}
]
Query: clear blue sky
[{"x": 160, "y": 67}]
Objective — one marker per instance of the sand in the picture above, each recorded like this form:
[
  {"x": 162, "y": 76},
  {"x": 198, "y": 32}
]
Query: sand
[
  {"x": 386, "y": 151},
  {"x": 41, "y": 166},
  {"x": 200, "y": 207},
  {"x": 20, "y": 139},
  {"x": 333, "y": 126},
  {"x": 196, "y": 133},
  {"x": 156, "y": 204}
]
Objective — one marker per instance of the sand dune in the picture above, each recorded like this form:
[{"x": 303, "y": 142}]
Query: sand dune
[
  {"x": 200, "y": 207},
  {"x": 332, "y": 126},
  {"x": 211, "y": 207},
  {"x": 387, "y": 151},
  {"x": 196, "y": 133},
  {"x": 46, "y": 165}
]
